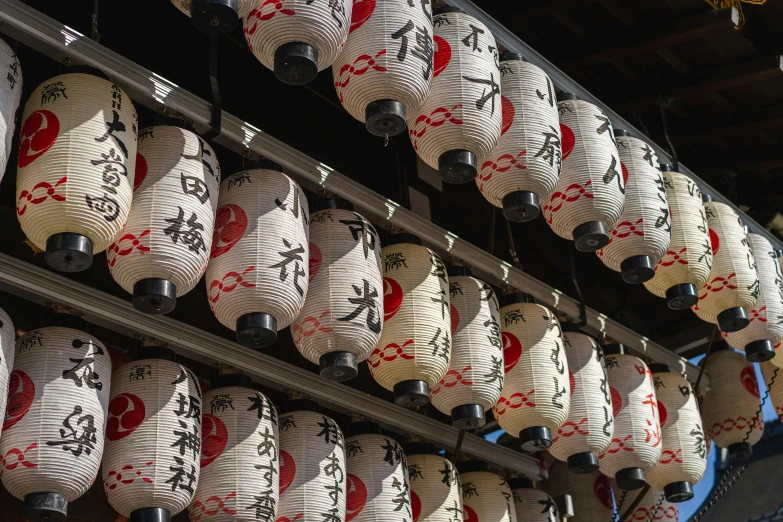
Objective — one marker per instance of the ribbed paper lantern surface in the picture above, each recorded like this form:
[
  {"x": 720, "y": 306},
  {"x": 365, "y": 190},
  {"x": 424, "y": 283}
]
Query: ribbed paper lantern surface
[
  {"x": 341, "y": 320},
  {"x": 636, "y": 441},
  {"x": 684, "y": 448},
  {"x": 415, "y": 348},
  {"x": 459, "y": 125},
  {"x": 163, "y": 249},
  {"x": 591, "y": 493},
  {"x": 648, "y": 508},
  {"x": 732, "y": 289},
  {"x": 685, "y": 267},
  {"x": 240, "y": 457},
  {"x": 10, "y": 97},
  {"x": 486, "y": 496},
  {"x": 435, "y": 486},
  {"x": 536, "y": 392},
  {"x": 523, "y": 168},
  {"x": 642, "y": 236},
  {"x": 7, "y": 349},
  {"x": 588, "y": 431},
  {"x": 773, "y": 378},
  {"x": 53, "y": 429},
  {"x": 153, "y": 439},
  {"x": 475, "y": 377},
  {"x": 385, "y": 67},
  {"x": 298, "y": 38},
  {"x": 588, "y": 199},
  {"x": 215, "y": 16},
  {"x": 258, "y": 268},
  {"x": 531, "y": 504},
  {"x": 77, "y": 155}
]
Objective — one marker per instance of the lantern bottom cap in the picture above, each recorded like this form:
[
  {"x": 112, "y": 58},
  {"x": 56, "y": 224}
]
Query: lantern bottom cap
[
  {"x": 69, "y": 252},
  {"x": 256, "y": 330},
  {"x": 536, "y": 438},
  {"x": 637, "y": 269},
  {"x": 338, "y": 366},
  {"x": 468, "y": 416},
  {"x": 591, "y": 236},
  {"x": 733, "y": 319},
  {"x": 154, "y": 296},
  {"x": 411, "y": 394},
  {"x": 760, "y": 351},
  {"x": 682, "y": 296},
  {"x": 214, "y": 16},
  {"x": 740, "y": 451},
  {"x": 45, "y": 507},
  {"x": 150, "y": 514},
  {"x": 583, "y": 463},
  {"x": 457, "y": 166},
  {"x": 521, "y": 206},
  {"x": 678, "y": 492},
  {"x": 296, "y": 63},
  {"x": 631, "y": 478},
  {"x": 385, "y": 118}
]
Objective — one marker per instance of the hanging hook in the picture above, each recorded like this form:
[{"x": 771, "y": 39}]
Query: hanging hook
[
  {"x": 582, "y": 308},
  {"x": 512, "y": 249},
  {"x": 94, "y": 33},
  {"x": 664, "y": 104},
  {"x": 217, "y": 103}
]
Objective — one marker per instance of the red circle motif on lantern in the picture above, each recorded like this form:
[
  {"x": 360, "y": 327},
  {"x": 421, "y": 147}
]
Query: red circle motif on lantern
[
  {"x": 287, "y": 470},
  {"x": 39, "y": 133},
  {"x": 230, "y": 225},
  {"x": 392, "y": 297},
  {"x": 625, "y": 173},
  {"x": 508, "y": 114},
  {"x": 21, "y": 393},
  {"x": 569, "y": 140},
  {"x": 214, "y": 440},
  {"x": 748, "y": 376},
  {"x": 126, "y": 413},
  {"x": 470, "y": 515},
  {"x": 662, "y": 413},
  {"x": 442, "y": 55},
  {"x": 714, "y": 241},
  {"x": 315, "y": 260},
  {"x": 512, "y": 351},
  {"x": 572, "y": 380},
  {"x": 141, "y": 171},
  {"x": 617, "y": 401},
  {"x": 603, "y": 490},
  {"x": 415, "y": 506},
  {"x": 361, "y": 12},
  {"x": 356, "y": 498},
  {"x": 454, "y": 319}
]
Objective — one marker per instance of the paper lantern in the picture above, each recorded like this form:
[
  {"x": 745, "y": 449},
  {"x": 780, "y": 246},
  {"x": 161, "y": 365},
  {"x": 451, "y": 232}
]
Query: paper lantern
[
  {"x": 536, "y": 392},
  {"x": 588, "y": 430},
  {"x": 667, "y": 512},
  {"x": 7, "y": 348},
  {"x": 773, "y": 378},
  {"x": 531, "y": 504},
  {"x": 642, "y": 236},
  {"x": 298, "y": 38},
  {"x": 681, "y": 273},
  {"x": 733, "y": 285},
  {"x": 163, "y": 249},
  {"x": 636, "y": 441},
  {"x": 588, "y": 199},
  {"x": 648, "y": 508},
  {"x": 435, "y": 485},
  {"x": 415, "y": 348},
  {"x": 53, "y": 429},
  {"x": 10, "y": 97},
  {"x": 314, "y": 482},
  {"x": 215, "y": 16},
  {"x": 460, "y": 123},
  {"x": 341, "y": 320},
  {"x": 77, "y": 155},
  {"x": 591, "y": 493},
  {"x": 486, "y": 496},
  {"x": 475, "y": 377},
  {"x": 258, "y": 268},
  {"x": 240, "y": 457},
  {"x": 683, "y": 446},
  {"x": 384, "y": 70}
]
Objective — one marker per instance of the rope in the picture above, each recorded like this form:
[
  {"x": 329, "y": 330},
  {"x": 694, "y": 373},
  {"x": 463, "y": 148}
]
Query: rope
[
  {"x": 619, "y": 506},
  {"x": 656, "y": 508},
  {"x": 635, "y": 503}
]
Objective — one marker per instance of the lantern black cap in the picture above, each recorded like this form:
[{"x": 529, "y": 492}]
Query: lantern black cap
[
  {"x": 457, "y": 166},
  {"x": 740, "y": 452},
  {"x": 566, "y": 96},
  {"x": 262, "y": 163},
  {"x": 385, "y": 118},
  {"x": 569, "y": 327},
  {"x": 637, "y": 269},
  {"x": 338, "y": 366},
  {"x": 296, "y": 63},
  {"x": 447, "y": 9},
  {"x": 154, "y": 296},
  {"x": 591, "y": 236},
  {"x": 520, "y": 483},
  {"x": 513, "y": 298},
  {"x": 613, "y": 349},
  {"x": 150, "y": 515},
  {"x": 411, "y": 394},
  {"x": 760, "y": 351},
  {"x": 468, "y": 416},
  {"x": 706, "y": 198},
  {"x": 521, "y": 206},
  {"x": 365, "y": 428},
  {"x": 232, "y": 379},
  {"x": 536, "y": 438},
  {"x": 665, "y": 167},
  {"x": 420, "y": 448},
  {"x": 583, "y": 463},
  {"x": 45, "y": 507},
  {"x": 302, "y": 405},
  {"x": 155, "y": 352},
  {"x": 458, "y": 270},
  {"x": 631, "y": 478},
  {"x": 509, "y": 56},
  {"x": 621, "y": 132},
  {"x": 86, "y": 69},
  {"x": 69, "y": 252},
  {"x": 779, "y": 253},
  {"x": 173, "y": 121},
  {"x": 214, "y": 16},
  {"x": 256, "y": 330},
  {"x": 403, "y": 237},
  {"x": 719, "y": 345},
  {"x": 470, "y": 466},
  {"x": 677, "y": 492},
  {"x": 682, "y": 296},
  {"x": 64, "y": 320},
  {"x": 659, "y": 368},
  {"x": 733, "y": 319},
  {"x": 334, "y": 203}
]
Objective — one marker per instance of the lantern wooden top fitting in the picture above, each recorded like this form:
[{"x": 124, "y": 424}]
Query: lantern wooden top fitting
[
  {"x": 486, "y": 496},
  {"x": 591, "y": 493},
  {"x": 215, "y": 16},
  {"x": 531, "y": 504},
  {"x": 10, "y": 97},
  {"x": 435, "y": 485}
]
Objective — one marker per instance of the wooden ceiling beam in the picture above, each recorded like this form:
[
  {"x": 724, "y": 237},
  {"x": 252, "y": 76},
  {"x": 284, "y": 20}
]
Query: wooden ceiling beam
[
  {"x": 763, "y": 118},
  {"x": 540, "y": 9}
]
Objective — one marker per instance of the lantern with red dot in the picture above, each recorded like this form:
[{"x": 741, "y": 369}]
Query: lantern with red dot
[
  {"x": 486, "y": 496},
  {"x": 434, "y": 481},
  {"x": 773, "y": 378},
  {"x": 215, "y": 16},
  {"x": 10, "y": 97},
  {"x": 591, "y": 493},
  {"x": 531, "y": 504},
  {"x": 7, "y": 348}
]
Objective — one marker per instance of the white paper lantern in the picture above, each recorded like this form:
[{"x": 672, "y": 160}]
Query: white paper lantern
[
  {"x": 415, "y": 348},
  {"x": 523, "y": 169},
  {"x": 7, "y": 349},
  {"x": 341, "y": 320},
  {"x": 591, "y": 493},
  {"x": 773, "y": 378},
  {"x": 667, "y": 512},
  {"x": 588, "y": 199},
  {"x": 460, "y": 123},
  {"x": 298, "y": 38},
  {"x": 681, "y": 273},
  {"x": 10, "y": 97},
  {"x": 486, "y": 496},
  {"x": 258, "y": 268},
  {"x": 53, "y": 429},
  {"x": 531, "y": 504},
  {"x": 215, "y": 16},
  {"x": 435, "y": 485},
  {"x": 536, "y": 392},
  {"x": 648, "y": 508},
  {"x": 164, "y": 248},
  {"x": 733, "y": 285},
  {"x": 588, "y": 431},
  {"x": 475, "y": 377}
]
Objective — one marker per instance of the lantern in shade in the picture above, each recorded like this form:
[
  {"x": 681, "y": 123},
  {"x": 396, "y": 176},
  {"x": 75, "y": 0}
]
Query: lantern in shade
[
  {"x": 215, "y": 16},
  {"x": 773, "y": 378},
  {"x": 523, "y": 169},
  {"x": 341, "y": 320},
  {"x": 240, "y": 457},
  {"x": 486, "y": 496},
  {"x": 434, "y": 482},
  {"x": 298, "y": 38},
  {"x": 588, "y": 199},
  {"x": 7, "y": 348},
  {"x": 531, "y": 504},
  {"x": 475, "y": 377},
  {"x": 685, "y": 267},
  {"x": 314, "y": 481},
  {"x": 163, "y": 249},
  {"x": 591, "y": 492},
  {"x": 636, "y": 441},
  {"x": 649, "y": 508},
  {"x": 53, "y": 429},
  {"x": 667, "y": 512},
  {"x": 460, "y": 123},
  {"x": 258, "y": 268},
  {"x": 733, "y": 285},
  {"x": 683, "y": 446},
  {"x": 536, "y": 393},
  {"x": 415, "y": 348},
  {"x": 642, "y": 236},
  {"x": 78, "y": 139},
  {"x": 588, "y": 431},
  {"x": 10, "y": 97},
  {"x": 380, "y": 77}
]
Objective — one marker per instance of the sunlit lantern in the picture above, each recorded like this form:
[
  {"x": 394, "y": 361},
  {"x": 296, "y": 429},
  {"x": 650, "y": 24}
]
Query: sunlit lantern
[
  {"x": 486, "y": 496},
  {"x": 531, "y": 504},
  {"x": 258, "y": 269},
  {"x": 434, "y": 482},
  {"x": 588, "y": 199},
  {"x": 10, "y": 97},
  {"x": 773, "y": 378},
  {"x": 77, "y": 155},
  {"x": 475, "y": 377},
  {"x": 460, "y": 123},
  {"x": 7, "y": 349},
  {"x": 163, "y": 250},
  {"x": 215, "y": 16},
  {"x": 591, "y": 492}
]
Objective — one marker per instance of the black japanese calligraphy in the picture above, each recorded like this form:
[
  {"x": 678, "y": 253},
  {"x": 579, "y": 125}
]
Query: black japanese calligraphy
[
  {"x": 180, "y": 475},
  {"x": 199, "y": 156},
  {"x": 361, "y": 229},
  {"x": 292, "y": 255},
  {"x": 548, "y": 97},
  {"x": 190, "y": 232},
  {"x": 193, "y": 186},
  {"x": 330, "y": 431},
  {"x": 611, "y": 174},
  {"x": 472, "y": 38},
  {"x": 423, "y": 48},
  {"x": 337, "y": 8},
  {"x": 367, "y": 299},
  {"x": 78, "y": 433},
  {"x": 394, "y": 261},
  {"x": 494, "y": 91},
  {"x": 111, "y": 127},
  {"x": 263, "y": 407},
  {"x": 221, "y": 402},
  {"x": 441, "y": 346},
  {"x": 139, "y": 372},
  {"x": 51, "y": 92}
]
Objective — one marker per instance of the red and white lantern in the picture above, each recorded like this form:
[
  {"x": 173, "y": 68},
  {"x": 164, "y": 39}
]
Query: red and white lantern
[
  {"x": 435, "y": 485},
  {"x": 215, "y": 16},
  {"x": 486, "y": 496},
  {"x": 531, "y": 504},
  {"x": 773, "y": 378},
  {"x": 649, "y": 508},
  {"x": 7, "y": 349},
  {"x": 591, "y": 493},
  {"x": 10, "y": 97}
]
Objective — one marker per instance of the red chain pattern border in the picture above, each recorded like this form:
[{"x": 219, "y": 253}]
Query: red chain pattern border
[
  {"x": 117, "y": 476},
  {"x": 207, "y": 511},
  {"x": 360, "y": 66},
  {"x": 616, "y": 446},
  {"x": 51, "y": 192},
  {"x": 20, "y": 459},
  {"x": 310, "y": 325},
  {"x": 559, "y": 198},
  {"x": 500, "y": 165},
  {"x": 756, "y": 314},
  {"x": 571, "y": 428},
  {"x": 669, "y": 456},
  {"x": 423, "y": 122},
  {"x": 740, "y": 423},
  {"x": 515, "y": 401},
  {"x": 228, "y": 284},
  {"x": 379, "y": 354},
  {"x": 672, "y": 257},
  {"x": 115, "y": 249},
  {"x": 716, "y": 285},
  {"x": 453, "y": 378}
]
